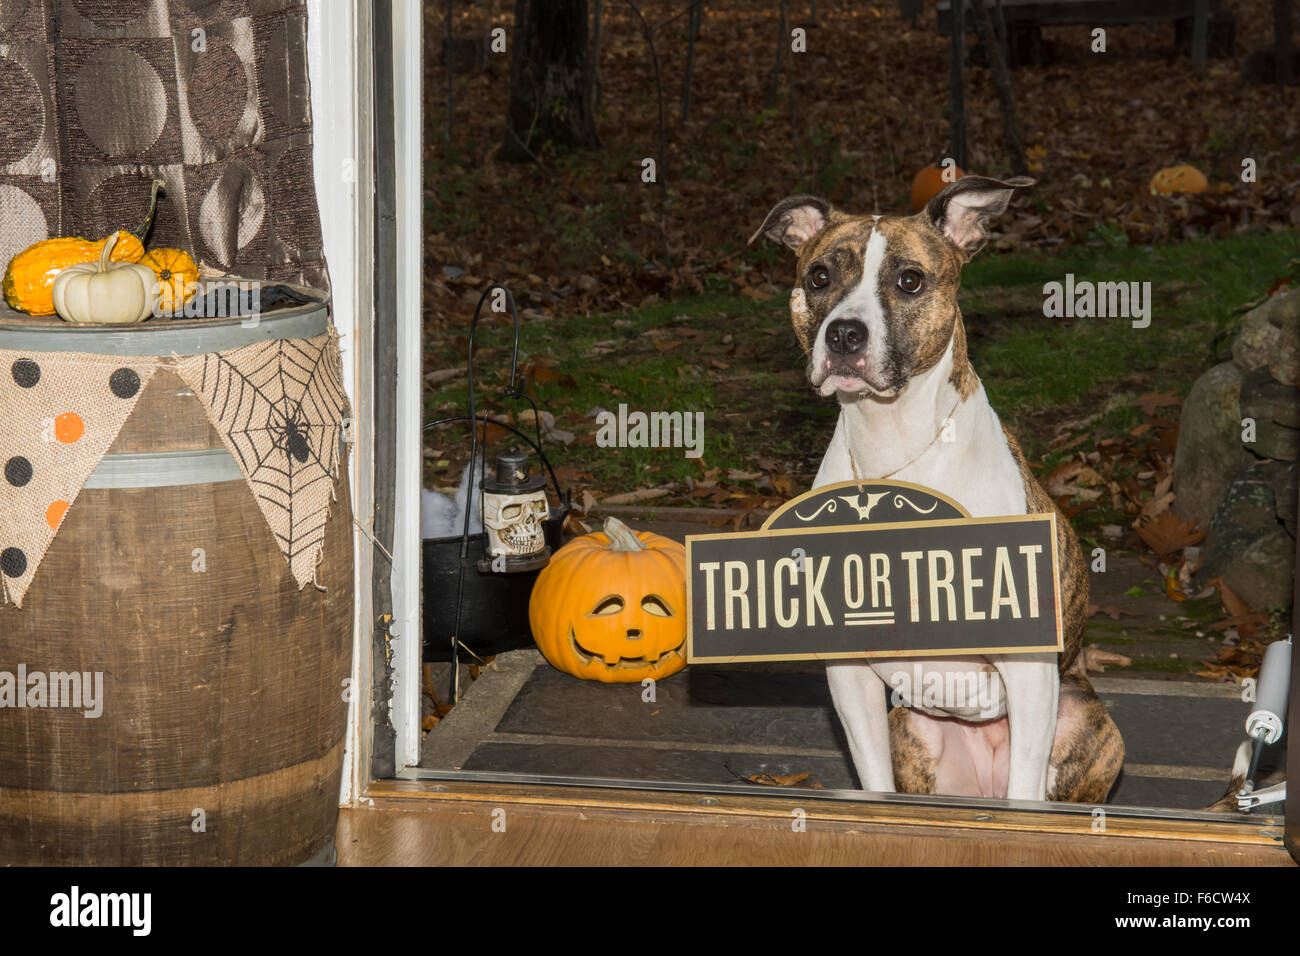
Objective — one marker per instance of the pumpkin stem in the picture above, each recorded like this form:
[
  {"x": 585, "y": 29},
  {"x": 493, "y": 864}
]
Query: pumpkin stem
[
  {"x": 621, "y": 537},
  {"x": 106, "y": 254},
  {"x": 144, "y": 227}
]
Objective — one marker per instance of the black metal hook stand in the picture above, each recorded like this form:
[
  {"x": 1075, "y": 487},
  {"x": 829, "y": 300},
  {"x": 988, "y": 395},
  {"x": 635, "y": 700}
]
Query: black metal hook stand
[{"x": 515, "y": 390}]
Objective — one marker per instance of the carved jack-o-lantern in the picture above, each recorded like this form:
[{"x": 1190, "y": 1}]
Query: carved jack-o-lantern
[
  {"x": 611, "y": 607},
  {"x": 1179, "y": 179}
]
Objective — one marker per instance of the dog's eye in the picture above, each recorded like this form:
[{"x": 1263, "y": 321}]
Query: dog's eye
[
  {"x": 819, "y": 278},
  {"x": 910, "y": 281}
]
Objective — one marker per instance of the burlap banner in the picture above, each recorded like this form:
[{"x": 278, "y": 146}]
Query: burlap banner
[
  {"x": 278, "y": 405},
  {"x": 59, "y": 412}
]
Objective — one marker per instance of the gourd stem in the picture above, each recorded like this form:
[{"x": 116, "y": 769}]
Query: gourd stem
[
  {"x": 106, "y": 254},
  {"x": 621, "y": 537},
  {"x": 144, "y": 227}
]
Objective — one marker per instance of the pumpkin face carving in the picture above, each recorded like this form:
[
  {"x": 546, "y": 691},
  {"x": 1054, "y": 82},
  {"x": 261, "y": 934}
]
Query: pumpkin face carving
[
  {"x": 610, "y": 606},
  {"x": 1179, "y": 179}
]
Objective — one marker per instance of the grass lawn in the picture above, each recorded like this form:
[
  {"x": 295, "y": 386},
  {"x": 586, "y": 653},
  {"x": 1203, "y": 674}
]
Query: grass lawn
[{"x": 736, "y": 360}]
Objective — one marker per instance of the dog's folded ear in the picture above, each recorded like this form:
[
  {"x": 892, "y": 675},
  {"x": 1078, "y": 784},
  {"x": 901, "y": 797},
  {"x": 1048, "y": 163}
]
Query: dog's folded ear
[
  {"x": 962, "y": 210},
  {"x": 795, "y": 220}
]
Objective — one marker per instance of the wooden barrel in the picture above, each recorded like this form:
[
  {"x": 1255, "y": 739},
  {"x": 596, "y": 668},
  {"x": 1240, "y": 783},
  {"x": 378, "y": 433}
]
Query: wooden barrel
[{"x": 223, "y": 706}]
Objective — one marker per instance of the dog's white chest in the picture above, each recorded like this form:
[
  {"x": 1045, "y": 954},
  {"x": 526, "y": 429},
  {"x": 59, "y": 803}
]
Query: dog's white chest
[
  {"x": 966, "y": 457},
  {"x": 967, "y": 460}
]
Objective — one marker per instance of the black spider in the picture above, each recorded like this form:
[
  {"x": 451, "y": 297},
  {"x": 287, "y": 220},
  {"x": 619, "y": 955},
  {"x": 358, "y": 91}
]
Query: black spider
[{"x": 291, "y": 437}]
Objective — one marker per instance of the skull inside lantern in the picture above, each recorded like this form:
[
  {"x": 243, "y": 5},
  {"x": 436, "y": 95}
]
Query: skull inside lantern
[
  {"x": 514, "y": 507},
  {"x": 514, "y": 525}
]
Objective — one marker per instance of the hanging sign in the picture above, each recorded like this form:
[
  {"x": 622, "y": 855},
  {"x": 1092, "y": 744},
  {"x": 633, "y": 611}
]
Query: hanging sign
[{"x": 874, "y": 569}]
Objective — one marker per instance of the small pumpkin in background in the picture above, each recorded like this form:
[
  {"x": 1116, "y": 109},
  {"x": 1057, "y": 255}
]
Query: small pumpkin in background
[
  {"x": 105, "y": 292},
  {"x": 929, "y": 182},
  {"x": 611, "y": 606},
  {"x": 1179, "y": 179},
  {"x": 28, "y": 282},
  {"x": 177, "y": 275}
]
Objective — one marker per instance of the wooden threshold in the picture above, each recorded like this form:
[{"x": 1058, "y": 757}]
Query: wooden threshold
[{"x": 427, "y": 823}]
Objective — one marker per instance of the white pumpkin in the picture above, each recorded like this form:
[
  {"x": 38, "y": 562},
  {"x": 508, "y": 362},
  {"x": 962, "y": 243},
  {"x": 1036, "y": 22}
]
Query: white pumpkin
[{"x": 106, "y": 292}]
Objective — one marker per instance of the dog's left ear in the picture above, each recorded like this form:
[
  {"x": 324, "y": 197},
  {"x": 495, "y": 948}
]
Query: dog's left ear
[{"x": 963, "y": 209}]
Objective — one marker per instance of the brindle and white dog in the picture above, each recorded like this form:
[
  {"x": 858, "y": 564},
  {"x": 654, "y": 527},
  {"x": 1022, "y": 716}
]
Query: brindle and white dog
[{"x": 875, "y": 308}]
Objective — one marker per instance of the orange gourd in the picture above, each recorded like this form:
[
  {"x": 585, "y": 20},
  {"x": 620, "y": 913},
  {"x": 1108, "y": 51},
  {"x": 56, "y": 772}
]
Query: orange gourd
[
  {"x": 178, "y": 277},
  {"x": 929, "y": 182},
  {"x": 611, "y": 606},
  {"x": 28, "y": 282}
]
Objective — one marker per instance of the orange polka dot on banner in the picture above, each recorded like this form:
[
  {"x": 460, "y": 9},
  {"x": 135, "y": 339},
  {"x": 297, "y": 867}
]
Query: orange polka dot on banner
[
  {"x": 54, "y": 514},
  {"x": 69, "y": 427}
]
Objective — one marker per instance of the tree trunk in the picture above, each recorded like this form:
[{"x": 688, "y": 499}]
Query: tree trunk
[
  {"x": 446, "y": 67},
  {"x": 1200, "y": 33},
  {"x": 956, "y": 88},
  {"x": 692, "y": 31},
  {"x": 597, "y": 87},
  {"x": 1012, "y": 144},
  {"x": 782, "y": 44},
  {"x": 662, "y": 159},
  {"x": 550, "y": 81},
  {"x": 1282, "y": 40}
]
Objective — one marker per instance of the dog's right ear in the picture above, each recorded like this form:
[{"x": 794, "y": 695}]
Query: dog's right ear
[{"x": 795, "y": 220}]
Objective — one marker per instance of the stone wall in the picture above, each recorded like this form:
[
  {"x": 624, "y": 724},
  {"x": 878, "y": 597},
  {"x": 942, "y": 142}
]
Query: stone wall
[{"x": 1236, "y": 468}]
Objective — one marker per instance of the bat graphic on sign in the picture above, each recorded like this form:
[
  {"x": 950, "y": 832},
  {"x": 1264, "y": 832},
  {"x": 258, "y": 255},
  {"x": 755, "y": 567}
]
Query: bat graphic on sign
[
  {"x": 853, "y": 501},
  {"x": 872, "y": 500}
]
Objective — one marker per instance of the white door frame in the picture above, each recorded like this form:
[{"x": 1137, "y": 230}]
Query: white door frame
[
  {"x": 343, "y": 178},
  {"x": 340, "y": 66},
  {"x": 408, "y": 101}
]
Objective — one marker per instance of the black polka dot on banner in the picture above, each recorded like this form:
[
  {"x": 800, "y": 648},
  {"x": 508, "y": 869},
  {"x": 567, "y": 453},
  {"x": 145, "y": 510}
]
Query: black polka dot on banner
[
  {"x": 13, "y": 562},
  {"x": 124, "y": 383},
  {"x": 26, "y": 373},
  {"x": 18, "y": 471}
]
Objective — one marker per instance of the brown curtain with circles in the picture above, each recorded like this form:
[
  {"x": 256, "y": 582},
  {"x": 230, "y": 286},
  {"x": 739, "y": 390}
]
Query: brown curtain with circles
[{"x": 99, "y": 97}]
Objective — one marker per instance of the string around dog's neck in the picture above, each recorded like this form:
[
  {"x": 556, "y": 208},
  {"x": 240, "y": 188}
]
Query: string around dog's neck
[{"x": 853, "y": 462}]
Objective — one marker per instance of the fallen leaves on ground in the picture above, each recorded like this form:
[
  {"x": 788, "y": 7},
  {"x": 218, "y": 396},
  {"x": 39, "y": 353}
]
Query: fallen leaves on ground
[
  {"x": 791, "y": 780},
  {"x": 1109, "y": 610},
  {"x": 1095, "y": 659},
  {"x": 1152, "y": 401},
  {"x": 1234, "y": 663},
  {"x": 1167, "y": 533},
  {"x": 631, "y": 497},
  {"x": 1247, "y": 633},
  {"x": 1232, "y": 602},
  {"x": 583, "y": 234}
]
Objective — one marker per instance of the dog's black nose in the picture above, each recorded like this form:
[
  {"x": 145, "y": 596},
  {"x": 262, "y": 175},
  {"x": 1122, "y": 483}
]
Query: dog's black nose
[{"x": 846, "y": 336}]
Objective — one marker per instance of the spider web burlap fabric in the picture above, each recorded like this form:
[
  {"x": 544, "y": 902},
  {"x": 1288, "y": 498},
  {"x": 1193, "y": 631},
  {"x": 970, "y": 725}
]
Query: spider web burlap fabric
[{"x": 279, "y": 407}]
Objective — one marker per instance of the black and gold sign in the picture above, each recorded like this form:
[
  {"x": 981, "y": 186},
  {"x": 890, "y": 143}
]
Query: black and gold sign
[{"x": 873, "y": 569}]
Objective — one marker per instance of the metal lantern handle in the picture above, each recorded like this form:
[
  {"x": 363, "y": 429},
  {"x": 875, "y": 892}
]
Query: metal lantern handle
[
  {"x": 560, "y": 493},
  {"x": 514, "y": 390}
]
